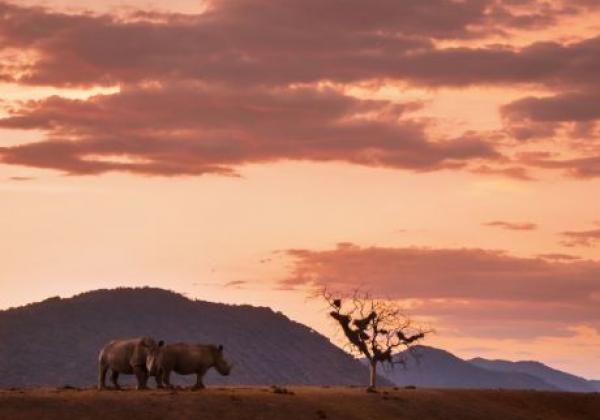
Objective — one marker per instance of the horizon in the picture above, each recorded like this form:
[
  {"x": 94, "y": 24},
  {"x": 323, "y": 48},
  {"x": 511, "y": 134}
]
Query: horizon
[
  {"x": 442, "y": 155},
  {"x": 329, "y": 333}
]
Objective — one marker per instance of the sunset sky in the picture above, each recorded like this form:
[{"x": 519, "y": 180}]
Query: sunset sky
[{"x": 443, "y": 153}]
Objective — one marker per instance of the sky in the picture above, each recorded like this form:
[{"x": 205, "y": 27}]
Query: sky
[{"x": 443, "y": 154}]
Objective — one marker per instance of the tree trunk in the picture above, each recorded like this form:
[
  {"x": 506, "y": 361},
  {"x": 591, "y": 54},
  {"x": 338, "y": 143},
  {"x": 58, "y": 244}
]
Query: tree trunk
[{"x": 373, "y": 376}]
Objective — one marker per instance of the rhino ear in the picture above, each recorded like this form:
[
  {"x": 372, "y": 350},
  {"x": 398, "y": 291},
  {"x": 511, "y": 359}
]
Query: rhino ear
[
  {"x": 220, "y": 347},
  {"x": 161, "y": 343}
]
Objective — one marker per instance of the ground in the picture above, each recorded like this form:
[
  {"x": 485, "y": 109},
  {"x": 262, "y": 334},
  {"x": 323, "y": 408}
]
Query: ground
[{"x": 295, "y": 403}]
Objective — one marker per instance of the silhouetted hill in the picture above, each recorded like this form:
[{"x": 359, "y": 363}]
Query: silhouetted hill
[
  {"x": 437, "y": 368},
  {"x": 57, "y": 341},
  {"x": 595, "y": 385},
  {"x": 562, "y": 380}
]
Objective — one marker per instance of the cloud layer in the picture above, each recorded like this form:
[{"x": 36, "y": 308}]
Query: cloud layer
[
  {"x": 457, "y": 285},
  {"x": 243, "y": 82},
  {"x": 249, "y": 42},
  {"x": 190, "y": 128}
]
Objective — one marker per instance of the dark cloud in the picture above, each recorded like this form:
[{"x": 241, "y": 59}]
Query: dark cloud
[
  {"x": 291, "y": 41},
  {"x": 242, "y": 62},
  {"x": 546, "y": 63},
  {"x": 189, "y": 128},
  {"x": 574, "y": 114},
  {"x": 565, "y": 107},
  {"x": 511, "y": 225}
]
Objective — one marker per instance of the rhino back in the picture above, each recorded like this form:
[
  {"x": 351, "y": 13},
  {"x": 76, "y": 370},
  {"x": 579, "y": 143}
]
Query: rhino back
[
  {"x": 187, "y": 358},
  {"x": 119, "y": 354}
]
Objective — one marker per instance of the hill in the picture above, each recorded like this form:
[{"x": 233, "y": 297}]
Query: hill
[
  {"x": 561, "y": 380},
  {"x": 435, "y": 368},
  {"x": 56, "y": 342},
  {"x": 300, "y": 404}
]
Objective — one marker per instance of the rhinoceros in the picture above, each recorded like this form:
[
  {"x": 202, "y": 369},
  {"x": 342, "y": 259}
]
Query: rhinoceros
[
  {"x": 186, "y": 359},
  {"x": 127, "y": 356}
]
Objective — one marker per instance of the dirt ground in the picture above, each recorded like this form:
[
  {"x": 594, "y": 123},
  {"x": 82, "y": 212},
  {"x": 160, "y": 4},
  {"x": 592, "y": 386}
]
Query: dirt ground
[{"x": 295, "y": 403}]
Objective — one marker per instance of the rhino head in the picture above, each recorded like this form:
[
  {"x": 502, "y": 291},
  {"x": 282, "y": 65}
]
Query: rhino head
[
  {"x": 152, "y": 357},
  {"x": 221, "y": 365}
]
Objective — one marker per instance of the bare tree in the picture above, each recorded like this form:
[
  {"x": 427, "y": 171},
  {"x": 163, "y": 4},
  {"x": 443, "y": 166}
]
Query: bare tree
[{"x": 375, "y": 328}]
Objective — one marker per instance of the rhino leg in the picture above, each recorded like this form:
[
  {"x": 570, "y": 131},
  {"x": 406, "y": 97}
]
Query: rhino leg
[
  {"x": 142, "y": 377},
  {"x": 102, "y": 369},
  {"x": 114, "y": 378},
  {"x": 159, "y": 380},
  {"x": 166, "y": 377},
  {"x": 199, "y": 383}
]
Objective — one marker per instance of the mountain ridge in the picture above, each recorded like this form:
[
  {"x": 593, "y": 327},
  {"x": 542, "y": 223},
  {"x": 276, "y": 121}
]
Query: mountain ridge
[
  {"x": 431, "y": 367},
  {"x": 562, "y": 380},
  {"x": 56, "y": 341},
  {"x": 435, "y": 368}
]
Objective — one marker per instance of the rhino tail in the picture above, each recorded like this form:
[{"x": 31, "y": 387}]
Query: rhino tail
[{"x": 102, "y": 369}]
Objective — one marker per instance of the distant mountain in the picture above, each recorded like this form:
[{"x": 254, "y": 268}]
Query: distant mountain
[
  {"x": 435, "y": 368},
  {"x": 56, "y": 341},
  {"x": 431, "y": 367},
  {"x": 561, "y": 380}
]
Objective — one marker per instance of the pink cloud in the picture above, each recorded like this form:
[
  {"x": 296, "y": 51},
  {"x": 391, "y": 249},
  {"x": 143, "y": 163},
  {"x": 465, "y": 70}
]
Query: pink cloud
[
  {"x": 582, "y": 167},
  {"x": 559, "y": 257},
  {"x": 520, "y": 173},
  {"x": 536, "y": 295},
  {"x": 190, "y": 128},
  {"x": 235, "y": 284},
  {"x": 511, "y": 225},
  {"x": 581, "y": 238},
  {"x": 294, "y": 41},
  {"x": 572, "y": 106},
  {"x": 221, "y": 72},
  {"x": 446, "y": 273}
]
